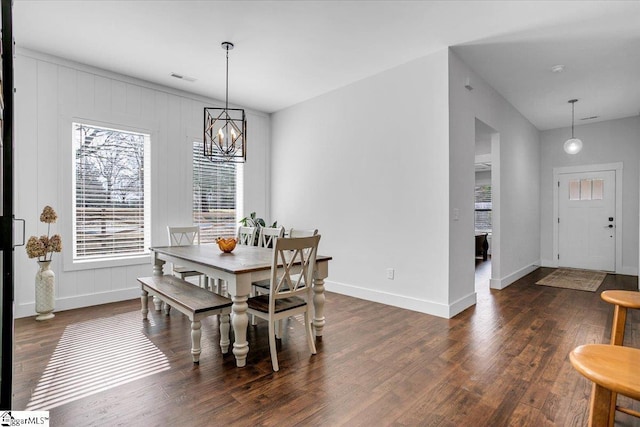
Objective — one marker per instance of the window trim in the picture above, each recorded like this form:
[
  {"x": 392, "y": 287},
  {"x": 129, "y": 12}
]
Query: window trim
[{"x": 66, "y": 176}]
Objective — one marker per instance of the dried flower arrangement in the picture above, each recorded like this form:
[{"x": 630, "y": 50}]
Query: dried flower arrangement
[{"x": 44, "y": 245}]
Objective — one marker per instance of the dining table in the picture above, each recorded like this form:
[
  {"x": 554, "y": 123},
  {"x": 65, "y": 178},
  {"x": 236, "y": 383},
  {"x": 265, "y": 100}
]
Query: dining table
[{"x": 239, "y": 268}]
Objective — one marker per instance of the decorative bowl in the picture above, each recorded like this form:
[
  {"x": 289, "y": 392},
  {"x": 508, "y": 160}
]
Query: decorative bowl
[{"x": 226, "y": 245}]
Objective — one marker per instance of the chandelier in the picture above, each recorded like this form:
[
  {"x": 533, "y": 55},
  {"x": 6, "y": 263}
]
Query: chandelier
[
  {"x": 225, "y": 129},
  {"x": 572, "y": 145}
]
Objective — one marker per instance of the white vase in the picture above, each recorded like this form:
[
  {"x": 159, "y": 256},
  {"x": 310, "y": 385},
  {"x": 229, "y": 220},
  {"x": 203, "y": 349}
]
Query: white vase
[{"x": 45, "y": 291}]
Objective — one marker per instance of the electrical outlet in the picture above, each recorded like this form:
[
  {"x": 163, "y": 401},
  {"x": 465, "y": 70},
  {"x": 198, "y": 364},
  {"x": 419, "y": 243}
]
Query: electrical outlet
[{"x": 390, "y": 273}]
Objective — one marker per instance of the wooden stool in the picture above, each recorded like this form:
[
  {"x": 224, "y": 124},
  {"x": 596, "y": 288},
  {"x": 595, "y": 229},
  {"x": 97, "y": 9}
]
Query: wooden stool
[
  {"x": 613, "y": 369},
  {"x": 622, "y": 300}
]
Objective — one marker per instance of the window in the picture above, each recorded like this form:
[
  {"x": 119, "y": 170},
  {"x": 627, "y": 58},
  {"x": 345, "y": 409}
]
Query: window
[
  {"x": 483, "y": 208},
  {"x": 217, "y": 196},
  {"x": 586, "y": 189},
  {"x": 111, "y": 193}
]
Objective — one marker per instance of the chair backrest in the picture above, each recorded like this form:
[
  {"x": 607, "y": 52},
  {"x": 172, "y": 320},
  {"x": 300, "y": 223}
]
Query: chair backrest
[
  {"x": 294, "y": 253},
  {"x": 246, "y": 235},
  {"x": 268, "y": 235},
  {"x": 184, "y": 236},
  {"x": 295, "y": 232}
]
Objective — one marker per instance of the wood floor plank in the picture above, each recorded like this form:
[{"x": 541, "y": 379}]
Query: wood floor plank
[{"x": 501, "y": 362}]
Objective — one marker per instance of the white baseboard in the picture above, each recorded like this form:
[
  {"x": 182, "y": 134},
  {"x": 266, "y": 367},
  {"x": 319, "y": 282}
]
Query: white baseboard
[
  {"x": 462, "y": 304},
  {"x": 506, "y": 281},
  {"x": 409, "y": 303},
  {"x": 29, "y": 309},
  {"x": 627, "y": 270}
]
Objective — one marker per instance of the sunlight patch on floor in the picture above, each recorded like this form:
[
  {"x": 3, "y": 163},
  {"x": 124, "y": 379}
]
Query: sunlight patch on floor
[{"x": 94, "y": 356}]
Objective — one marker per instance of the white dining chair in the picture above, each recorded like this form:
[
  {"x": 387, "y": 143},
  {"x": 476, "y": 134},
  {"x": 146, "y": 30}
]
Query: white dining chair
[
  {"x": 262, "y": 286},
  {"x": 289, "y": 294},
  {"x": 268, "y": 235},
  {"x": 185, "y": 236},
  {"x": 247, "y": 235},
  {"x": 299, "y": 232},
  {"x": 266, "y": 239}
]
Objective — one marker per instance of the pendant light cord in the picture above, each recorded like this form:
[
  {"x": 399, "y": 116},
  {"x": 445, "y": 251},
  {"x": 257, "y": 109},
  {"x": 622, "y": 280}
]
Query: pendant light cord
[
  {"x": 573, "y": 104},
  {"x": 226, "y": 95}
]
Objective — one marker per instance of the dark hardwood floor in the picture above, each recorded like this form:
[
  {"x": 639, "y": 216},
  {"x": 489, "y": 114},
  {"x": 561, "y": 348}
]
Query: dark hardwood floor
[{"x": 502, "y": 362}]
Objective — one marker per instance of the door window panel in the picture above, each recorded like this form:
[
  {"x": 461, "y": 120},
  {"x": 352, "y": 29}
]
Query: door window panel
[
  {"x": 586, "y": 189},
  {"x": 598, "y": 189}
]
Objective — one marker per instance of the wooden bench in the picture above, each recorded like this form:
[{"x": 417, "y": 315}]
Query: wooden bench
[{"x": 191, "y": 300}]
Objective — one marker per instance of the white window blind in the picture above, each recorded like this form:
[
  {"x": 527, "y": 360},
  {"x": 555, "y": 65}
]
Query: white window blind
[
  {"x": 217, "y": 196},
  {"x": 483, "y": 208},
  {"x": 111, "y": 193}
]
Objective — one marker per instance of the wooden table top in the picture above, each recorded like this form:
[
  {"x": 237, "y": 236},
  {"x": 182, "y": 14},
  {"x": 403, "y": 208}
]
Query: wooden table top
[
  {"x": 614, "y": 367},
  {"x": 243, "y": 259}
]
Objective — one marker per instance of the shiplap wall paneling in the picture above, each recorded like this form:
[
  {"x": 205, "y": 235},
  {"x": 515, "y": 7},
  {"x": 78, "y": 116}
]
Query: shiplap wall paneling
[
  {"x": 51, "y": 93},
  {"x": 26, "y": 171}
]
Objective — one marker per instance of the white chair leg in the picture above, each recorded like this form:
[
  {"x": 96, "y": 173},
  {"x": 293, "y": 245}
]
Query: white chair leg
[
  {"x": 310, "y": 337},
  {"x": 280, "y": 329},
  {"x": 272, "y": 346},
  {"x": 254, "y": 319},
  {"x": 224, "y": 333}
]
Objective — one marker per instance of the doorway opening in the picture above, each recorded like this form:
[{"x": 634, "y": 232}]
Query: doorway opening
[{"x": 485, "y": 188}]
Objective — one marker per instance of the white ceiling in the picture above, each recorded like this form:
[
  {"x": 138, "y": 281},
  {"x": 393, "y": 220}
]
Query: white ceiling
[{"x": 290, "y": 51}]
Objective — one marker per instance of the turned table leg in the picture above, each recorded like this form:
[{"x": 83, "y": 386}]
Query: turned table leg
[
  {"x": 240, "y": 321},
  {"x": 318, "y": 306}
]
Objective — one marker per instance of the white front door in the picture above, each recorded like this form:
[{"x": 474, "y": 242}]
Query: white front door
[{"x": 586, "y": 220}]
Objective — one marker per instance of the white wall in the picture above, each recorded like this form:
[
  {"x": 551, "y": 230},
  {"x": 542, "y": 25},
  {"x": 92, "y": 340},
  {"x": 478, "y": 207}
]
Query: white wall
[
  {"x": 49, "y": 93},
  {"x": 515, "y": 184},
  {"x": 604, "y": 142},
  {"x": 367, "y": 165}
]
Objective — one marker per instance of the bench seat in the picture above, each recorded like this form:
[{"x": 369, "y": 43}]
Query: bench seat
[{"x": 193, "y": 301}]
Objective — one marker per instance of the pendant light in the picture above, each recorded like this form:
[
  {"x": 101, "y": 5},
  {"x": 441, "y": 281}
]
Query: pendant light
[
  {"x": 572, "y": 145},
  {"x": 225, "y": 129}
]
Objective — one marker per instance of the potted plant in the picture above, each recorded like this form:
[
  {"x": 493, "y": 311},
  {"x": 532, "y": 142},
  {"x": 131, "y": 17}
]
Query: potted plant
[{"x": 253, "y": 221}]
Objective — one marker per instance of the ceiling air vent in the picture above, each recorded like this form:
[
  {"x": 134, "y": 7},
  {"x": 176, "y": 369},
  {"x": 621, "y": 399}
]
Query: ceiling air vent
[{"x": 181, "y": 77}]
